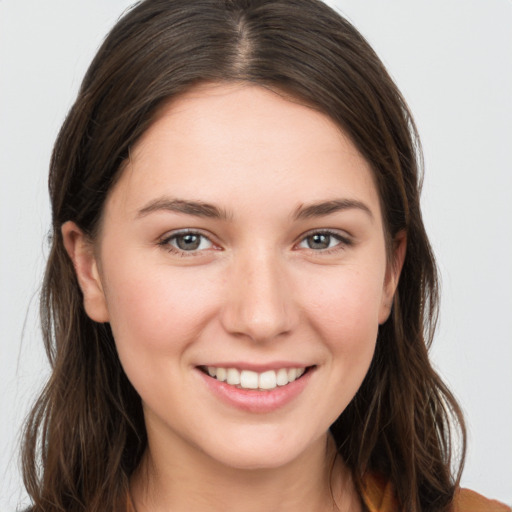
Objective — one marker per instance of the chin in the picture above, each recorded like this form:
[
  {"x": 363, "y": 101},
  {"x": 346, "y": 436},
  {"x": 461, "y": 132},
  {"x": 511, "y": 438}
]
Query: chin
[
  {"x": 264, "y": 452},
  {"x": 256, "y": 460}
]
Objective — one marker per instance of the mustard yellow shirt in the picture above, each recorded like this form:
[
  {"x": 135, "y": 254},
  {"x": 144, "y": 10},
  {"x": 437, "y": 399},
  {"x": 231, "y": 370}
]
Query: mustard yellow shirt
[{"x": 378, "y": 496}]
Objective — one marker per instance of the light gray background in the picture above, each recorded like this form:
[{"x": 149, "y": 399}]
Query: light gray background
[{"x": 453, "y": 61}]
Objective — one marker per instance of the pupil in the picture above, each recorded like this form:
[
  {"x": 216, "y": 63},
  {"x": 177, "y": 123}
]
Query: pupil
[
  {"x": 188, "y": 242},
  {"x": 319, "y": 241}
]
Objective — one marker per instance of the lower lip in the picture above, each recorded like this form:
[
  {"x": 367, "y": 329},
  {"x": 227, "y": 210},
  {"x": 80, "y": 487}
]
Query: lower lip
[{"x": 255, "y": 401}]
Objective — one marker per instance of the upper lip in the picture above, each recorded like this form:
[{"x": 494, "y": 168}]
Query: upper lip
[{"x": 259, "y": 368}]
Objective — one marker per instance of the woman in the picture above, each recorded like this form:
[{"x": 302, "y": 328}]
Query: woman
[{"x": 240, "y": 292}]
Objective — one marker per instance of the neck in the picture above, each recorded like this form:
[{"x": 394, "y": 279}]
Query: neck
[{"x": 316, "y": 481}]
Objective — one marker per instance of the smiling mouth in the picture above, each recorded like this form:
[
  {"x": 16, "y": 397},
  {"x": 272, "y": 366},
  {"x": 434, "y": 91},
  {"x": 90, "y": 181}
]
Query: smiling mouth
[{"x": 260, "y": 381}]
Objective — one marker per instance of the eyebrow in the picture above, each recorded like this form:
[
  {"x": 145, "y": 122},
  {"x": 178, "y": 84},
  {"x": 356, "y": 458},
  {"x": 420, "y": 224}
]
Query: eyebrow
[
  {"x": 325, "y": 208},
  {"x": 196, "y": 208},
  {"x": 202, "y": 209}
]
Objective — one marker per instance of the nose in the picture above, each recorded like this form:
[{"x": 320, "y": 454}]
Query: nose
[{"x": 259, "y": 302}]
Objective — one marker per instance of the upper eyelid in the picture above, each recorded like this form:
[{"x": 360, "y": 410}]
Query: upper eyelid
[
  {"x": 329, "y": 231},
  {"x": 185, "y": 231}
]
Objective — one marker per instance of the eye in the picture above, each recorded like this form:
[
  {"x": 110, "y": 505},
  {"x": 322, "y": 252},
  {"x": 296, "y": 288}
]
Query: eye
[
  {"x": 186, "y": 241},
  {"x": 323, "y": 240}
]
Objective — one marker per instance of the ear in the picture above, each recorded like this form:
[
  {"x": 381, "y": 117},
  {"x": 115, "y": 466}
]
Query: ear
[
  {"x": 81, "y": 251},
  {"x": 393, "y": 275}
]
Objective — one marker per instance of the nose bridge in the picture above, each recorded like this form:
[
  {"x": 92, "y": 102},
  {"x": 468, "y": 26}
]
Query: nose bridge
[{"x": 259, "y": 303}]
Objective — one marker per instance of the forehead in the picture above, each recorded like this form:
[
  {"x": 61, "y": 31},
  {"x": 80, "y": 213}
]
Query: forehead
[{"x": 240, "y": 143}]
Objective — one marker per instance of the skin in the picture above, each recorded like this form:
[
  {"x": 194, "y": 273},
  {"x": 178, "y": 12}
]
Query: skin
[{"x": 255, "y": 290}]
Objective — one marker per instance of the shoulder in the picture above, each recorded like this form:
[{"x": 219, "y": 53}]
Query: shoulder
[
  {"x": 470, "y": 501},
  {"x": 379, "y": 496}
]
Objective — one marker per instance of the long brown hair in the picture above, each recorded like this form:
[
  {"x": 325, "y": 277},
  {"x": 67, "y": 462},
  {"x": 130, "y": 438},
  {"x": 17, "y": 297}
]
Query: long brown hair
[{"x": 86, "y": 434}]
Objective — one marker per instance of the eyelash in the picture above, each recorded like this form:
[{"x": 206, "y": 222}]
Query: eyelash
[
  {"x": 166, "y": 242},
  {"x": 343, "y": 242}
]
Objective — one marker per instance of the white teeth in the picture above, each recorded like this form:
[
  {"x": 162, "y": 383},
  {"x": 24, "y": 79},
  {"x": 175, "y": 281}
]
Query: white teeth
[
  {"x": 233, "y": 376},
  {"x": 268, "y": 380},
  {"x": 292, "y": 374},
  {"x": 282, "y": 377},
  {"x": 248, "y": 379}
]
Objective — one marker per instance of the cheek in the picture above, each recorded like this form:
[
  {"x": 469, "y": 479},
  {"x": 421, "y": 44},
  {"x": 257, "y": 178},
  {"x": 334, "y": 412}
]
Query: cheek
[
  {"x": 347, "y": 307},
  {"x": 156, "y": 309},
  {"x": 155, "y": 315},
  {"x": 345, "y": 316}
]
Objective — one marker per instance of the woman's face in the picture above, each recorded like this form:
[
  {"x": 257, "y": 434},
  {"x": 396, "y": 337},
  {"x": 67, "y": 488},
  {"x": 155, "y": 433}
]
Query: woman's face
[{"x": 242, "y": 248}]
